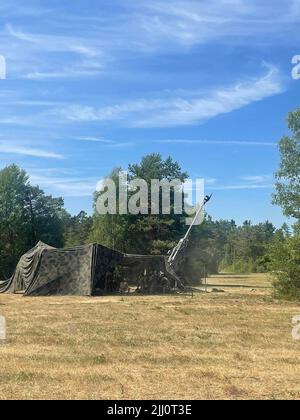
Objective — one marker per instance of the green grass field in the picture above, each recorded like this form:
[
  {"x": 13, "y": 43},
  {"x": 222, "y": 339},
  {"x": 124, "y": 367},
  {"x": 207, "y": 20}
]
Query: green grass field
[{"x": 231, "y": 345}]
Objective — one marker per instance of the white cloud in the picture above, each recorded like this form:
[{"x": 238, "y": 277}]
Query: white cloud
[
  {"x": 192, "y": 22},
  {"x": 68, "y": 187},
  {"x": 243, "y": 187},
  {"x": 54, "y": 43},
  {"x": 141, "y": 28},
  {"x": 178, "y": 111},
  {"x": 66, "y": 73},
  {"x": 221, "y": 101},
  {"x": 107, "y": 143},
  {"x": 122, "y": 145},
  {"x": 46, "y": 56},
  {"x": 220, "y": 142},
  {"x": 18, "y": 8},
  {"x": 252, "y": 182},
  {"x": 210, "y": 181},
  {"x": 28, "y": 151},
  {"x": 94, "y": 140},
  {"x": 110, "y": 113},
  {"x": 257, "y": 179}
]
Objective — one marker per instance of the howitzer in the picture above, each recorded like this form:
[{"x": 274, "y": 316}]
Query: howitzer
[{"x": 182, "y": 244}]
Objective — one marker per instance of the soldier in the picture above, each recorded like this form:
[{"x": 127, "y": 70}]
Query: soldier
[
  {"x": 140, "y": 283},
  {"x": 165, "y": 283},
  {"x": 145, "y": 281},
  {"x": 124, "y": 287},
  {"x": 108, "y": 282},
  {"x": 154, "y": 282}
]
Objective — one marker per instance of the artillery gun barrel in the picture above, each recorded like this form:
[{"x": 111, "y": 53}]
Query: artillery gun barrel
[{"x": 183, "y": 241}]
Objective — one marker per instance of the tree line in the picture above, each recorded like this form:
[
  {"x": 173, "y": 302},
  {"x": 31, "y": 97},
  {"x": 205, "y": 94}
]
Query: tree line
[{"x": 28, "y": 215}]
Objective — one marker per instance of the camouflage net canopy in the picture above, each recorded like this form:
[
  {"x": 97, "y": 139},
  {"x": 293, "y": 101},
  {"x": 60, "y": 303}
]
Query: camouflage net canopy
[{"x": 86, "y": 271}]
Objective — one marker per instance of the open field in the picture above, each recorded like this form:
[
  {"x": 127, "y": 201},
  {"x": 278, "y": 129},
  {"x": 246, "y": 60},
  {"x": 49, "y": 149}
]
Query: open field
[
  {"x": 230, "y": 281},
  {"x": 233, "y": 345}
]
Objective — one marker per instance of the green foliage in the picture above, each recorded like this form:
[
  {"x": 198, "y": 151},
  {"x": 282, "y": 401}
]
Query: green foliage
[
  {"x": 288, "y": 176},
  {"x": 46, "y": 218},
  {"x": 77, "y": 229},
  {"x": 285, "y": 251},
  {"x": 154, "y": 167},
  {"x": 246, "y": 248},
  {"x": 207, "y": 248},
  {"x": 109, "y": 230},
  {"x": 239, "y": 266},
  {"x": 285, "y": 265},
  {"x": 142, "y": 234},
  {"x": 27, "y": 215}
]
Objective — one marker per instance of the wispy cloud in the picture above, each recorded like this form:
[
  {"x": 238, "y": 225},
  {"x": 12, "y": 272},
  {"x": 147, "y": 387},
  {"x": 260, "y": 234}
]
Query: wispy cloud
[
  {"x": 43, "y": 56},
  {"x": 65, "y": 73},
  {"x": 66, "y": 186},
  {"x": 258, "y": 179},
  {"x": 106, "y": 37},
  {"x": 221, "y": 101},
  {"x": 94, "y": 140},
  {"x": 18, "y": 8},
  {"x": 179, "y": 111},
  {"x": 110, "y": 144},
  {"x": 24, "y": 151},
  {"x": 54, "y": 43},
  {"x": 251, "y": 182},
  {"x": 219, "y": 142},
  {"x": 122, "y": 145},
  {"x": 243, "y": 187},
  {"x": 191, "y": 22},
  {"x": 210, "y": 181}
]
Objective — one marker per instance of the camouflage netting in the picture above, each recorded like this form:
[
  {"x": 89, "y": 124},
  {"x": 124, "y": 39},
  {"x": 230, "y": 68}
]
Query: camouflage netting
[{"x": 83, "y": 271}]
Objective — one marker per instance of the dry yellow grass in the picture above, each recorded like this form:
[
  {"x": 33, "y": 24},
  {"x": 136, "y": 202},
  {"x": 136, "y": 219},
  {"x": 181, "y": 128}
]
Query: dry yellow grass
[{"x": 232, "y": 345}]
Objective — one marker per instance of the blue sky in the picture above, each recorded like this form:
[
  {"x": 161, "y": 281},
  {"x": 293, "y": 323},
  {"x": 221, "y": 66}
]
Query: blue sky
[{"x": 99, "y": 83}]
